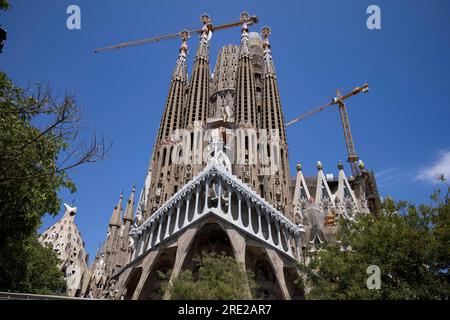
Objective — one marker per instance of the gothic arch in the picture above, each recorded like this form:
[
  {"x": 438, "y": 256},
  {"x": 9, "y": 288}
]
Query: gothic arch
[{"x": 211, "y": 237}]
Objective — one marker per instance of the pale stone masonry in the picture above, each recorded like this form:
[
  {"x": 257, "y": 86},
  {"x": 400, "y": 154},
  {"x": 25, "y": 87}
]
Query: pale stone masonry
[
  {"x": 66, "y": 241},
  {"x": 224, "y": 200}
]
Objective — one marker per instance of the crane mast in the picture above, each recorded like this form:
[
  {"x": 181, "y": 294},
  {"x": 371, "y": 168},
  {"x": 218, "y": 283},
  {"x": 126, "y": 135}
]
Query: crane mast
[
  {"x": 352, "y": 156},
  {"x": 339, "y": 100}
]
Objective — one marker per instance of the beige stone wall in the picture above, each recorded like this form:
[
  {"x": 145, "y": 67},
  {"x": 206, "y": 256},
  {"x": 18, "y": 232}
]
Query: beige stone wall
[{"x": 66, "y": 241}]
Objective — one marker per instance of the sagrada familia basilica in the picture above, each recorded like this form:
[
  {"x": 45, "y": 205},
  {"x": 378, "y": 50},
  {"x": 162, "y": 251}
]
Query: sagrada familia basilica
[{"x": 218, "y": 180}]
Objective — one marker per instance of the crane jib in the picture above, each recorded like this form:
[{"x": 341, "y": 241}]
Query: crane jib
[{"x": 251, "y": 20}]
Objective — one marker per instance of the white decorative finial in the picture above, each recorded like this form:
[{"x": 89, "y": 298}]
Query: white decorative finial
[
  {"x": 244, "y": 17},
  {"x": 268, "y": 66},
  {"x": 70, "y": 210},
  {"x": 319, "y": 165},
  {"x": 265, "y": 31}
]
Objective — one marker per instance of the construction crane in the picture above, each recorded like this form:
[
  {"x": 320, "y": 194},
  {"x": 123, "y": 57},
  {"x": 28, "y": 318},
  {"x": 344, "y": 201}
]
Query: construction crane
[
  {"x": 339, "y": 100},
  {"x": 184, "y": 34}
]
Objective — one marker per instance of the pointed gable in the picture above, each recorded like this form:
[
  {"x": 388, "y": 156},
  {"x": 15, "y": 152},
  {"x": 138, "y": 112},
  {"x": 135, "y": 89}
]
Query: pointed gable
[{"x": 215, "y": 191}]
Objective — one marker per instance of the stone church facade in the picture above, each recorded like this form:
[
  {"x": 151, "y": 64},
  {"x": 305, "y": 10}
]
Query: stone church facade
[{"x": 219, "y": 180}]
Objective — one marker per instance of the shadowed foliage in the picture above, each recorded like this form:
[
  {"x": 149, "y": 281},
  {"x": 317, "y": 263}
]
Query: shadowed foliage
[
  {"x": 39, "y": 142},
  {"x": 219, "y": 277},
  {"x": 410, "y": 244}
]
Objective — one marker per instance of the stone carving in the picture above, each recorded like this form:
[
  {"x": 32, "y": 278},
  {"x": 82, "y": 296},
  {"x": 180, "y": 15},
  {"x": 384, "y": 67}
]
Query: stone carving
[{"x": 217, "y": 156}]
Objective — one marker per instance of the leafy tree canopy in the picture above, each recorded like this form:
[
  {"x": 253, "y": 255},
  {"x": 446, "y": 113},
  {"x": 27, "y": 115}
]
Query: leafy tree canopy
[
  {"x": 35, "y": 268},
  {"x": 410, "y": 244},
  {"x": 39, "y": 142},
  {"x": 219, "y": 278},
  {"x": 4, "y": 5}
]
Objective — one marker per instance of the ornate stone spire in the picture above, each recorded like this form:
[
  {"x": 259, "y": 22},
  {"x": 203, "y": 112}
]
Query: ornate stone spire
[
  {"x": 163, "y": 168},
  {"x": 244, "y": 50},
  {"x": 115, "y": 217},
  {"x": 180, "y": 72},
  {"x": 128, "y": 215},
  {"x": 115, "y": 225},
  {"x": 203, "y": 46},
  {"x": 273, "y": 123},
  {"x": 272, "y": 110},
  {"x": 123, "y": 251},
  {"x": 172, "y": 116},
  {"x": 245, "y": 83},
  {"x": 198, "y": 98},
  {"x": 197, "y": 106},
  {"x": 269, "y": 69}
]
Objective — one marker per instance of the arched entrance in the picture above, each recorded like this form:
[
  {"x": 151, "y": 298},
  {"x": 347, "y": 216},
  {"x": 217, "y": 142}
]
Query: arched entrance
[{"x": 210, "y": 238}]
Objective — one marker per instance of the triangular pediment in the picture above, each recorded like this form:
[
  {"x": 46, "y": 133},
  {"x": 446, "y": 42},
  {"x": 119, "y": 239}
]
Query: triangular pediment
[{"x": 215, "y": 191}]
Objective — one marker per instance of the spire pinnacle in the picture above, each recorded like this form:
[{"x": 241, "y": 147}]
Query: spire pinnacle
[
  {"x": 115, "y": 217},
  {"x": 205, "y": 36},
  {"x": 245, "y": 51},
  {"x": 198, "y": 96},
  {"x": 70, "y": 210},
  {"x": 319, "y": 165},
  {"x": 245, "y": 97},
  {"x": 269, "y": 69},
  {"x": 180, "y": 72},
  {"x": 128, "y": 215}
]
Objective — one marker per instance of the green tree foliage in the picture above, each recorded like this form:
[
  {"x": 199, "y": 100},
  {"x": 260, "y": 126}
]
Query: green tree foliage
[
  {"x": 39, "y": 144},
  {"x": 219, "y": 278},
  {"x": 28, "y": 181},
  {"x": 4, "y": 5},
  {"x": 35, "y": 268},
  {"x": 410, "y": 244}
]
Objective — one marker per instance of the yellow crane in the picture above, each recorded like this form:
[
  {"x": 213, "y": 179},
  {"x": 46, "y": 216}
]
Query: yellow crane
[
  {"x": 184, "y": 34},
  {"x": 339, "y": 100}
]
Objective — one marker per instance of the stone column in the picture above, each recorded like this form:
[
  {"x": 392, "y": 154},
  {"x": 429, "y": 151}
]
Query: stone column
[
  {"x": 147, "y": 265},
  {"x": 239, "y": 244},
  {"x": 177, "y": 217},
  {"x": 169, "y": 220},
  {"x": 278, "y": 264},
  {"x": 158, "y": 234},
  {"x": 183, "y": 244},
  {"x": 260, "y": 234}
]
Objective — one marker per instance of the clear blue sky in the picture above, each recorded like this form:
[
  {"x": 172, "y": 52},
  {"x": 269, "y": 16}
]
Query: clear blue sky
[{"x": 401, "y": 128}]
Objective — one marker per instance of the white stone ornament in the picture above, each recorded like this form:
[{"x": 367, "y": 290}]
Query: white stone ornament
[{"x": 73, "y": 276}]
